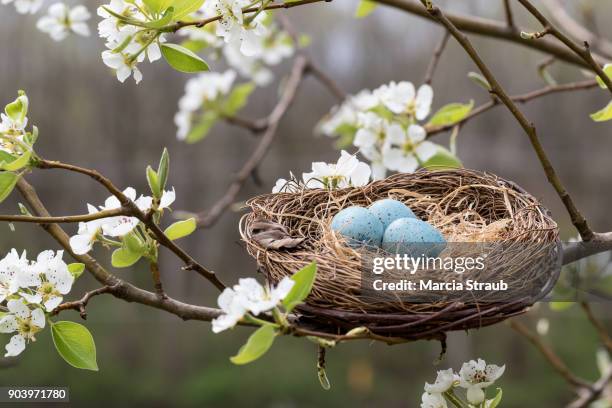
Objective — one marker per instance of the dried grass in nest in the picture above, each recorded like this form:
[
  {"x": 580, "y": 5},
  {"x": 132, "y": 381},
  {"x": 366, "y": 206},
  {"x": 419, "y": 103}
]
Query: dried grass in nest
[{"x": 465, "y": 205}]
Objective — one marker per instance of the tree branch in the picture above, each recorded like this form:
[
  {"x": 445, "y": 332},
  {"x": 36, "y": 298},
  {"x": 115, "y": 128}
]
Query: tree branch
[
  {"x": 601, "y": 330},
  {"x": 492, "y": 29},
  {"x": 496, "y": 89},
  {"x": 66, "y": 219},
  {"x": 433, "y": 64},
  {"x": 79, "y": 305},
  {"x": 509, "y": 15}
]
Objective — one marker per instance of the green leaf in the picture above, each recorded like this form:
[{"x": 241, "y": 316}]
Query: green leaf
[
  {"x": 153, "y": 180},
  {"x": 183, "y": 60},
  {"x": 365, "y": 8},
  {"x": 256, "y": 346},
  {"x": 560, "y": 306},
  {"x": 157, "y": 6},
  {"x": 183, "y": 8},
  {"x": 480, "y": 80},
  {"x": 75, "y": 344},
  {"x": 18, "y": 109},
  {"x": 604, "y": 114},
  {"x": 132, "y": 243},
  {"x": 495, "y": 401},
  {"x": 181, "y": 229},
  {"x": 194, "y": 45},
  {"x": 304, "y": 279},
  {"x": 451, "y": 114},
  {"x": 163, "y": 170},
  {"x": 76, "y": 269},
  {"x": 200, "y": 131},
  {"x": 17, "y": 163},
  {"x": 607, "y": 69},
  {"x": 238, "y": 98},
  {"x": 443, "y": 159},
  {"x": 124, "y": 258},
  {"x": 7, "y": 184},
  {"x": 165, "y": 19}
]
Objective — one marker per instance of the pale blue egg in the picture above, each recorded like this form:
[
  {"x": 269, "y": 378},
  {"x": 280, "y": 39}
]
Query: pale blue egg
[
  {"x": 389, "y": 210},
  {"x": 413, "y": 237},
  {"x": 359, "y": 225}
]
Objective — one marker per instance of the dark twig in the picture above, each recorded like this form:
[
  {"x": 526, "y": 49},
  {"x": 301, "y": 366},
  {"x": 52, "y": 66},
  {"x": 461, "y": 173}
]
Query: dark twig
[
  {"x": 496, "y": 89},
  {"x": 601, "y": 330},
  {"x": 66, "y": 219},
  {"x": 435, "y": 59},
  {"x": 509, "y": 15},
  {"x": 79, "y": 305}
]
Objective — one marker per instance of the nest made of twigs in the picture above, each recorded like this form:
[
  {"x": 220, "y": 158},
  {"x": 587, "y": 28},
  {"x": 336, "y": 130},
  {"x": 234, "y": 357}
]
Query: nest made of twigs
[{"x": 286, "y": 231}]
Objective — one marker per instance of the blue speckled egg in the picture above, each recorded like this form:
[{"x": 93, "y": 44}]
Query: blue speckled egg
[
  {"x": 359, "y": 225},
  {"x": 389, "y": 210},
  {"x": 413, "y": 237}
]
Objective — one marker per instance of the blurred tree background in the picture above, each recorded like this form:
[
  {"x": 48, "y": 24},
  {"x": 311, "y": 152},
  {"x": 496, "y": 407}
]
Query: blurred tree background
[{"x": 148, "y": 358}]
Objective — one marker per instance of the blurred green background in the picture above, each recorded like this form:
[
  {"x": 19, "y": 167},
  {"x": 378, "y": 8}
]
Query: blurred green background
[{"x": 148, "y": 358}]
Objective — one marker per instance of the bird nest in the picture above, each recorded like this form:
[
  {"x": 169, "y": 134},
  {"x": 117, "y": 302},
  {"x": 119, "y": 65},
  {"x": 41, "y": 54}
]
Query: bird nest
[{"x": 286, "y": 231}]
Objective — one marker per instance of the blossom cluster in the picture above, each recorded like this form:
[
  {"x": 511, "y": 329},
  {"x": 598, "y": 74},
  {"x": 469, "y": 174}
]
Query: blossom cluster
[
  {"x": 13, "y": 125},
  {"x": 30, "y": 289},
  {"x": 474, "y": 377},
  {"x": 128, "y": 44},
  {"x": 248, "y": 296},
  {"x": 384, "y": 125},
  {"x": 348, "y": 171},
  {"x": 104, "y": 229},
  {"x": 201, "y": 93}
]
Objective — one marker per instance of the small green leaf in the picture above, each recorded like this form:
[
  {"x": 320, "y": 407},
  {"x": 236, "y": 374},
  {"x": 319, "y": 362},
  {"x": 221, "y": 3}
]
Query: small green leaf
[
  {"x": 182, "y": 59},
  {"x": 132, "y": 243},
  {"x": 304, "y": 279},
  {"x": 163, "y": 170},
  {"x": 607, "y": 69},
  {"x": 443, "y": 159},
  {"x": 158, "y": 6},
  {"x": 451, "y": 114},
  {"x": 495, "y": 401},
  {"x": 480, "y": 80},
  {"x": 164, "y": 20},
  {"x": 18, "y": 163},
  {"x": 183, "y": 8},
  {"x": 75, "y": 344},
  {"x": 181, "y": 229},
  {"x": 153, "y": 181},
  {"x": 365, "y": 8},
  {"x": 124, "y": 258},
  {"x": 18, "y": 109},
  {"x": 7, "y": 184},
  {"x": 256, "y": 346},
  {"x": 560, "y": 306},
  {"x": 238, "y": 98},
  {"x": 603, "y": 115},
  {"x": 200, "y": 131},
  {"x": 76, "y": 269}
]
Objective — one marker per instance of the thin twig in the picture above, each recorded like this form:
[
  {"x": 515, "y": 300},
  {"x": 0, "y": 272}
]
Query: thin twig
[
  {"x": 79, "y": 305},
  {"x": 211, "y": 216},
  {"x": 509, "y": 15},
  {"x": 496, "y": 89},
  {"x": 435, "y": 59},
  {"x": 601, "y": 330},
  {"x": 591, "y": 395},
  {"x": 65, "y": 219},
  {"x": 492, "y": 29},
  {"x": 550, "y": 355},
  {"x": 583, "y": 52}
]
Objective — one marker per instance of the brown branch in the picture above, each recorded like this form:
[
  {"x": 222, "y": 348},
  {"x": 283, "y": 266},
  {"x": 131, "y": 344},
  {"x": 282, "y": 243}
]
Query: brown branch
[
  {"x": 132, "y": 208},
  {"x": 79, "y": 305},
  {"x": 433, "y": 64},
  {"x": 493, "y": 29},
  {"x": 583, "y": 52},
  {"x": 591, "y": 395},
  {"x": 65, "y": 219},
  {"x": 157, "y": 283},
  {"x": 211, "y": 216},
  {"x": 601, "y": 330},
  {"x": 496, "y": 89},
  {"x": 575, "y": 29},
  {"x": 509, "y": 15},
  {"x": 554, "y": 360}
]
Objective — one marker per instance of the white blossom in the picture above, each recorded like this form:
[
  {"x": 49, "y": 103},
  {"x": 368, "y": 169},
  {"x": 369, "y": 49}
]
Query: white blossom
[
  {"x": 56, "y": 280},
  {"x": 401, "y": 98},
  {"x": 444, "y": 382},
  {"x": 235, "y": 28},
  {"x": 61, "y": 20},
  {"x": 123, "y": 64},
  {"x": 248, "y": 296},
  {"x": 347, "y": 172},
  {"x": 26, "y": 6},
  {"x": 15, "y": 273},
  {"x": 476, "y": 375},
  {"x": 23, "y": 320},
  {"x": 433, "y": 401},
  {"x": 406, "y": 150}
]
